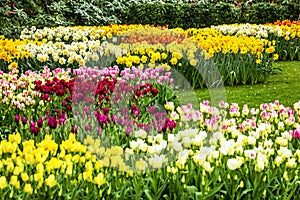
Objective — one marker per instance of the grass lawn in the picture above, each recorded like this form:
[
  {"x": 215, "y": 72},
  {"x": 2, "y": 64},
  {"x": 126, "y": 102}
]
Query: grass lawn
[{"x": 283, "y": 86}]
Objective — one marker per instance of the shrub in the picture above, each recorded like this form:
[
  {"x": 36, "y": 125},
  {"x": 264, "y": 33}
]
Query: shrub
[{"x": 183, "y": 14}]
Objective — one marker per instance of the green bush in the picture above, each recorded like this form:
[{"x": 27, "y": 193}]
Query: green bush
[
  {"x": 175, "y": 13},
  {"x": 205, "y": 15},
  {"x": 260, "y": 13}
]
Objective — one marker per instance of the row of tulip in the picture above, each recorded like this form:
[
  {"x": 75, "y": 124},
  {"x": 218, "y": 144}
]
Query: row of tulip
[
  {"x": 115, "y": 140},
  {"x": 194, "y": 53},
  {"x": 35, "y": 103},
  {"x": 224, "y": 152},
  {"x": 119, "y": 135},
  {"x": 286, "y": 34}
]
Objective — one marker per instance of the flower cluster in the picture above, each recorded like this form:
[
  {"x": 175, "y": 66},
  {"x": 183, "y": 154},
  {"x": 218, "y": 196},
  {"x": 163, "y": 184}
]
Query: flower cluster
[
  {"x": 32, "y": 167},
  {"x": 137, "y": 45},
  {"x": 78, "y": 53},
  {"x": 287, "y": 23},
  {"x": 123, "y": 102},
  {"x": 10, "y": 49},
  {"x": 219, "y": 142},
  {"x": 78, "y": 33},
  {"x": 217, "y": 42},
  {"x": 258, "y": 31},
  {"x": 141, "y": 46},
  {"x": 239, "y": 141},
  {"x": 283, "y": 33},
  {"x": 153, "y": 35}
]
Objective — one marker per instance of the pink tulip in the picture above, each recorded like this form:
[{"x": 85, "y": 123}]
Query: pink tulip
[{"x": 296, "y": 133}]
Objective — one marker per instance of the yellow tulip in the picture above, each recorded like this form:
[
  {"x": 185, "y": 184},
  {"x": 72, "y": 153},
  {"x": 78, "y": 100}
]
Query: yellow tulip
[
  {"x": 24, "y": 176},
  {"x": 27, "y": 188},
  {"x": 3, "y": 182},
  {"x": 99, "y": 179},
  {"x": 14, "y": 181},
  {"x": 50, "y": 181}
]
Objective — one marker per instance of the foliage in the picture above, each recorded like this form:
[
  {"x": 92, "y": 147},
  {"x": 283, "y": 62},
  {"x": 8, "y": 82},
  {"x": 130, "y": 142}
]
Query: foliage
[
  {"x": 173, "y": 13},
  {"x": 205, "y": 15}
]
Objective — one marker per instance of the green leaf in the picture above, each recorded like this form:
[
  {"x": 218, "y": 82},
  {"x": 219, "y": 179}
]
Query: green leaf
[
  {"x": 214, "y": 191},
  {"x": 292, "y": 193},
  {"x": 244, "y": 193},
  {"x": 149, "y": 194},
  {"x": 198, "y": 195},
  {"x": 192, "y": 189},
  {"x": 166, "y": 197}
]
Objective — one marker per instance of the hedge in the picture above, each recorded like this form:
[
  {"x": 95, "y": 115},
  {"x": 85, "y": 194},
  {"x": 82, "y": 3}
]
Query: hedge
[{"x": 99, "y": 12}]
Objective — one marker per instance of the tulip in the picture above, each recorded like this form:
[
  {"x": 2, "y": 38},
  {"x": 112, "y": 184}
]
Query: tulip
[
  {"x": 17, "y": 118},
  {"x": 33, "y": 128},
  {"x": 88, "y": 128},
  {"x": 40, "y": 122},
  {"x": 24, "y": 120},
  {"x": 296, "y": 133},
  {"x": 151, "y": 109},
  {"x": 74, "y": 129},
  {"x": 52, "y": 123},
  {"x": 105, "y": 111},
  {"x": 99, "y": 131},
  {"x": 128, "y": 131},
  {"x": 102, "y": 119},
  {"x": 154, "y": 91},
  {"x": 69, "y": 107}
]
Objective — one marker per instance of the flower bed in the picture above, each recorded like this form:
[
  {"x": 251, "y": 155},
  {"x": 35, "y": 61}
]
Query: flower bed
[
  {"x": 33, "y": 103},
  {"x": 214, "y": 151},
  {"x": 285, "y": 34},
  {"x": 72, "y": 131},
  {"x": 243, "y": 145},
  {"x": 194, "y": 53}
]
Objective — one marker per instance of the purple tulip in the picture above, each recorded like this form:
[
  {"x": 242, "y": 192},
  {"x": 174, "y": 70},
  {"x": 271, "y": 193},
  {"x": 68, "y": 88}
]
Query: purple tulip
[
  {"x": 151, "y": 109},
  {"x": 124, "y": 111},
  {"x": 33, "y": 128},
  {"x": 17, "y": 118},
  {"x": 102, "y": 119},
  {"x": 86, "y": 109},
  {"x": 88, "y": 128},
  {"x": 61, "y": 118},
  {"x": 40, "y": 122},
  {"x": 99, "y": 130},
  {"x": 147, "y": 127},
  {"x": 24, "y": 120},
  {"x": 74, "y": 129},
  {"x": 105, "y": 111},
  {"x": 52, "y": 123},
  {"x": 32, "y": 124},
  {"x": 169, "y": 124},
  {"x": 128, "y": 131}
]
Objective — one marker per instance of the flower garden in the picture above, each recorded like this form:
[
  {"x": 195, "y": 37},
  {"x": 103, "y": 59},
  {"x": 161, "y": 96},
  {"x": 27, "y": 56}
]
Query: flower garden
[{"x": 93, "y": 112}]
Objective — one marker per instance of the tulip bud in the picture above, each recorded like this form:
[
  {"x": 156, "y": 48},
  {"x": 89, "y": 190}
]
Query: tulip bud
[
  {"x": 183, "y": 179},
  {"x": 228, "y": 176},
  {"x": 24, "y": 120},
  {"x": 241, "y": 184},
  {"x": 40, "y": 122},
  {"x": 17, "y": 118}
]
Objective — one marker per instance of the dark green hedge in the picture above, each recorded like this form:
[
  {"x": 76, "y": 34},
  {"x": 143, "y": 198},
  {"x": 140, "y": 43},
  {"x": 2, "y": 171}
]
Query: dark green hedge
[
  {"x": 197, "y": 16},
  {"x": 101, "y": 12}
]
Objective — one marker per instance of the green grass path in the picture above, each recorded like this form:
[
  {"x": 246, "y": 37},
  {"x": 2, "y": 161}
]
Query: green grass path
[{"x": 283, "y": 86}]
